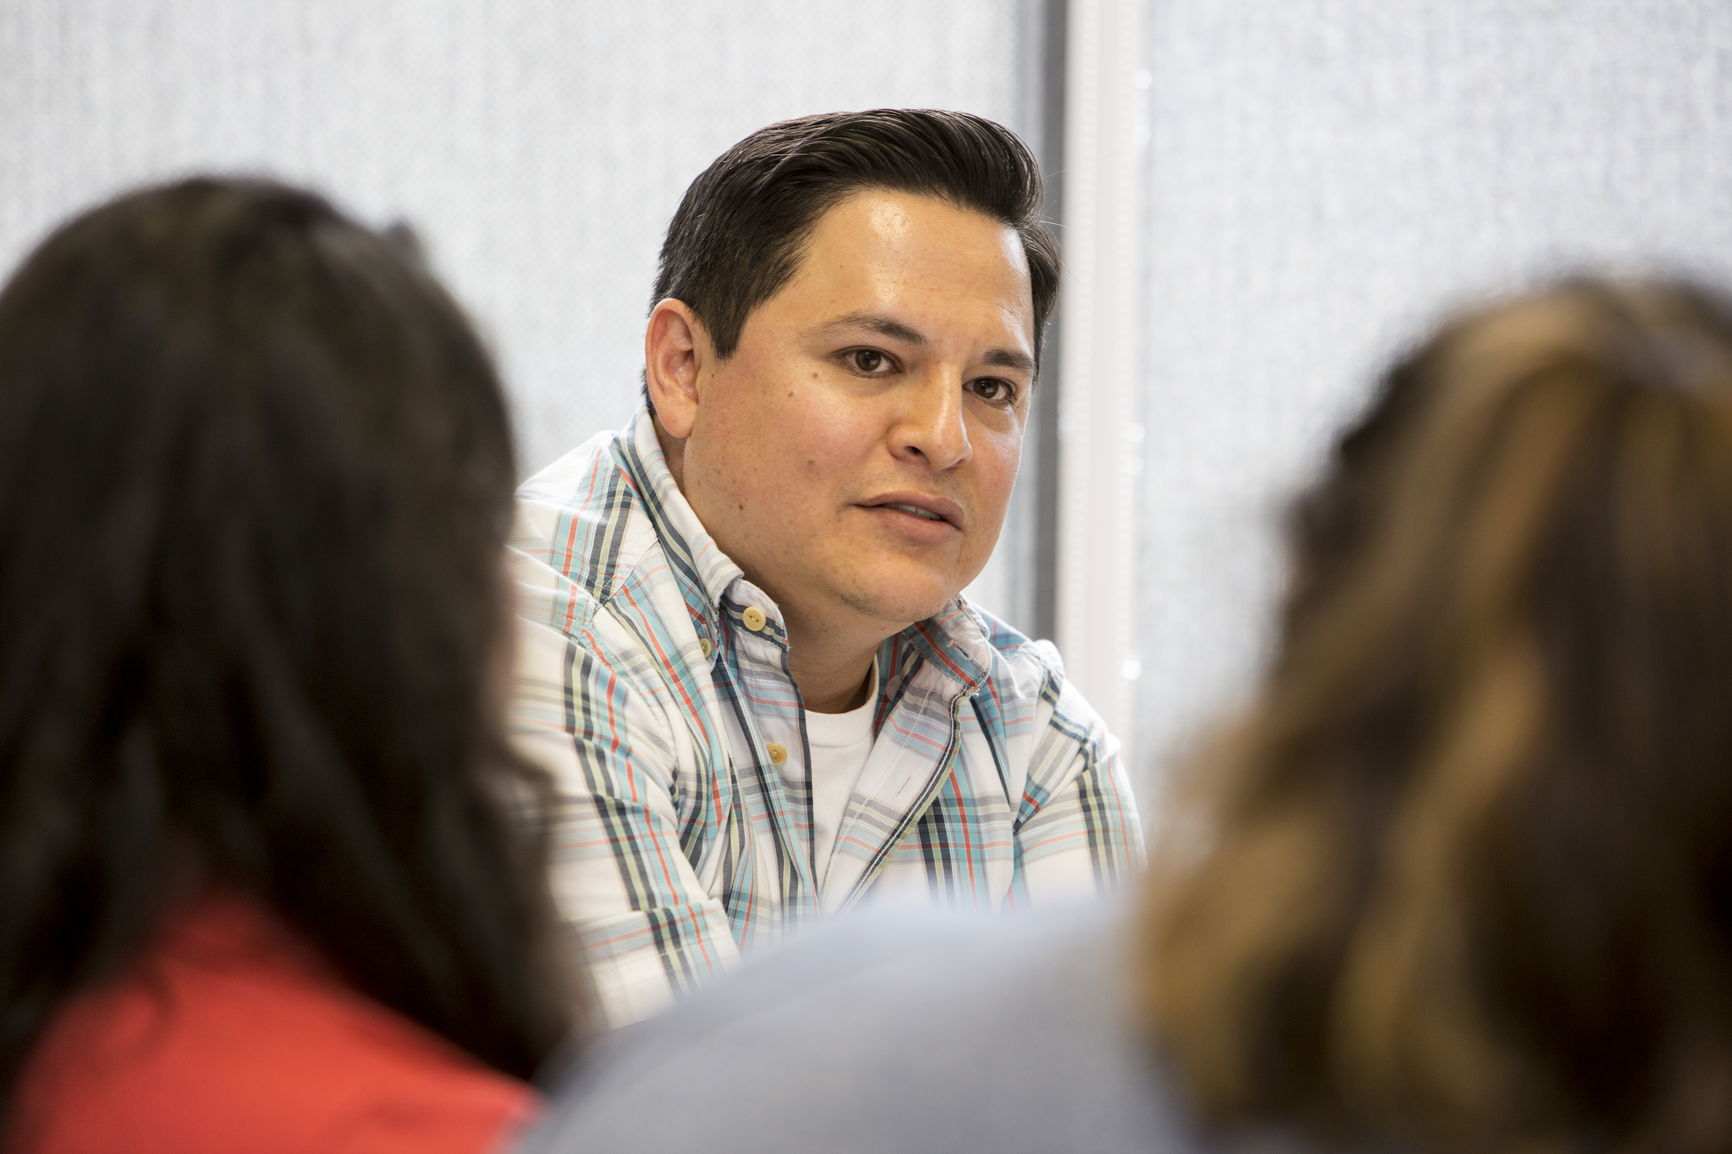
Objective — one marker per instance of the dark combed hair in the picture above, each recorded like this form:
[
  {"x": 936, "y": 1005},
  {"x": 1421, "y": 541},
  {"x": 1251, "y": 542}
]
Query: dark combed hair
[
  {"x": 255, "y": 479},
  {"x": 1462, "y": 879},
  {"x": 743, "y": 225}
]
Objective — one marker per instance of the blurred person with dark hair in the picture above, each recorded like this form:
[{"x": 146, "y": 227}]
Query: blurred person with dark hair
[
  {"x": 262, "y": 881},
  {"x": 747, "y": 659},
  {"x": 1459, "y": 880}
]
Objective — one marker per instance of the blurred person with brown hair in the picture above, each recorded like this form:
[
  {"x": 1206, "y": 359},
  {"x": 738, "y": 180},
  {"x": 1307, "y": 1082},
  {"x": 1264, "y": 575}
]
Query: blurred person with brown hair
[
  {"x": 1460, "y": 879},
  {"x": 263, "y": 884}
]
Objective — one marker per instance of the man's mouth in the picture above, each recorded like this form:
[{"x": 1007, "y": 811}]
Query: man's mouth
[{"x": 924, "y": 506}]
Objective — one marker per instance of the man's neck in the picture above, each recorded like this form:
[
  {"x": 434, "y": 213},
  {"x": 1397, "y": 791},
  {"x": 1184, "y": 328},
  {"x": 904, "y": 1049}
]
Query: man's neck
[{"x": 833, "y": 673}]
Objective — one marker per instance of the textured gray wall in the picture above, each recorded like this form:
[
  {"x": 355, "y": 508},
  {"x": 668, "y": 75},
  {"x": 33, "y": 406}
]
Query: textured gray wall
[
  {"x": 1324, "y": 176},
  {"x": 540, "y": 145}
]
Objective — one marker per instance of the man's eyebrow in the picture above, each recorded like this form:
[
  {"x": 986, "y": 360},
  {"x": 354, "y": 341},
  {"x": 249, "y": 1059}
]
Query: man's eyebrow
[
  {"x": 880, "y": 324},
  {"x": 1010, "y": 359},
  {"x": 896, "y": 330}
]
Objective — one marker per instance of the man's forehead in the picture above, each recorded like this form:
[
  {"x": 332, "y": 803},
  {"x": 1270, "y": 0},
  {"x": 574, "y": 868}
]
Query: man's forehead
[
  {"x": 892, "y": 255},
  {"x": 894, "y": 217}
]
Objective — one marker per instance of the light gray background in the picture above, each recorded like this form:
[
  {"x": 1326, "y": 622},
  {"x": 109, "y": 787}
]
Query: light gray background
[
  {"x": 1324, "y": 175},
  {"x": 540, "y": 146}
]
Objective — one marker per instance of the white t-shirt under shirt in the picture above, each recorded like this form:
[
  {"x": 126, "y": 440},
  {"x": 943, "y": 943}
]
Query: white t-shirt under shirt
[{"x": 840, "y": 743}]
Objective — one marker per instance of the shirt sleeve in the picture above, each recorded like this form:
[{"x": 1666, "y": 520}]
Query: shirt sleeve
[
  {"x": 1077, "y": 829},
  {"x": 646, "y": 923}
]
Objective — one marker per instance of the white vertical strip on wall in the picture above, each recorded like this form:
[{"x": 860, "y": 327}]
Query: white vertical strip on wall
[{"x": 1104, "y": 136}]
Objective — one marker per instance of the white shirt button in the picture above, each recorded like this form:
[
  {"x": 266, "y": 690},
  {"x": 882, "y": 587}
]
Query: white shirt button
[
  {"x": 753, "y": 618},
  {"x": 778, "y": 753}
]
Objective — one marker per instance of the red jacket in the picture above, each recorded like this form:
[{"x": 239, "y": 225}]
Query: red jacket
[{"x": 231, "y": 1036}]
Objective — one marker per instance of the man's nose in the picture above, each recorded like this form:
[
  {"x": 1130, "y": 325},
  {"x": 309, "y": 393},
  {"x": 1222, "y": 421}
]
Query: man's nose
[{"x": 932, "y": 425}]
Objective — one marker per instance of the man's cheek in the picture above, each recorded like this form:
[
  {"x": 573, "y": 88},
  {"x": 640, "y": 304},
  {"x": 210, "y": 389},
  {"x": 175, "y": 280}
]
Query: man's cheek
[{"x": 999, "y": 475}]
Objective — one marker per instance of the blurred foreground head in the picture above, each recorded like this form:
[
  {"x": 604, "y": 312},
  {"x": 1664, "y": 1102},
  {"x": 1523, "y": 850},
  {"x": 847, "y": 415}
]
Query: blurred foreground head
[
  {"x": 1463, "y": 876},
  {"x": 255, "y": 473}
]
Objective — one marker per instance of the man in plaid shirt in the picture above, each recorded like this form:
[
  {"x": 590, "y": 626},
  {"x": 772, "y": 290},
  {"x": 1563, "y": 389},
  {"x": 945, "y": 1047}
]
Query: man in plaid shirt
[{"x": 745, "y": 656}]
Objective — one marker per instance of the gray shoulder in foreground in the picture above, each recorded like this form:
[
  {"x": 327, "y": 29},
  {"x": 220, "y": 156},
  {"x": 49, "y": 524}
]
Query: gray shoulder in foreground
[{"x": 904, "y": 1032}]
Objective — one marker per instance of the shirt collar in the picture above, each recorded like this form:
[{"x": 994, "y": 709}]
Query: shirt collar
[
  {"x": 704, "y": 573},
  {"x": 957, "y": 638}
]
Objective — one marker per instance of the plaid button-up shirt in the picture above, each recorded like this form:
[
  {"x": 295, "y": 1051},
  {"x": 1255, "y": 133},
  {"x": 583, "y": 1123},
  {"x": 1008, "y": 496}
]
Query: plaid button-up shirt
[{"x": 653, "y": 682}]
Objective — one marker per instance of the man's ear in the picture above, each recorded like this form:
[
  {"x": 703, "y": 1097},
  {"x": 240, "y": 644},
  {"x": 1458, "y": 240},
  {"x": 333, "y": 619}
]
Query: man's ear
[{"x": 676, "y": 350}]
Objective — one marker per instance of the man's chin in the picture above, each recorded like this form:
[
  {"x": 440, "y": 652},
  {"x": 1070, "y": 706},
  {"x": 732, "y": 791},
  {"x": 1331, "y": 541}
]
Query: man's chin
[{"x": 902, "y": 608}]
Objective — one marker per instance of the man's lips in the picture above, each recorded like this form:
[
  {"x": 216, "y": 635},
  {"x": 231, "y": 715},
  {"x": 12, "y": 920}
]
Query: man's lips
[{"x": 922, "y": 505}]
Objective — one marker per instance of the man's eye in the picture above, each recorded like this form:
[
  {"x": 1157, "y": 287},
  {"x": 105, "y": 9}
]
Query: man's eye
[
  {"x": 871, "y": 362},
  {"x": 994, "y": 389}
]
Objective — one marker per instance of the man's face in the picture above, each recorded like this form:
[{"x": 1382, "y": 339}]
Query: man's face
[{"x": 856, "y": 453}]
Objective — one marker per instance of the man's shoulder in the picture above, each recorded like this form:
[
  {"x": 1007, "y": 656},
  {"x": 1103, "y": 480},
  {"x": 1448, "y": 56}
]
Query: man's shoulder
[
  {"x": 582, "y": 518},
  {"x": 1013, "y": 651},
  {"x": 600, "y": 596},
  {"x": 1024, "y": 688},
  {"x": 1015, "y": 665}
]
